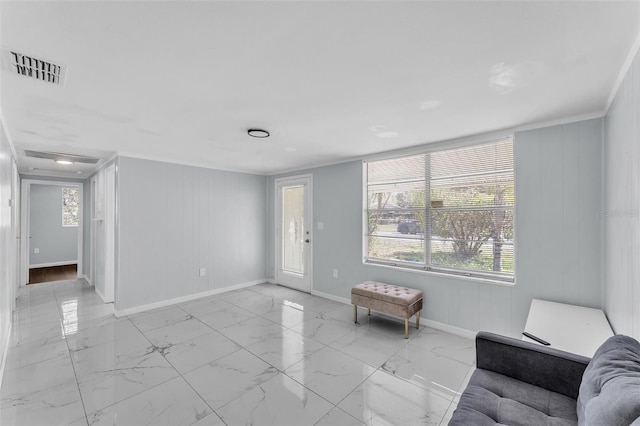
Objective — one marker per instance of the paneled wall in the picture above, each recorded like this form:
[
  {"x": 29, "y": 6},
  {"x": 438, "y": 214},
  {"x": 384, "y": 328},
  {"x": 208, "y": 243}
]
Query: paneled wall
[
  {"x": 558, "y": 238},
  {"x": 622, "y": 206},
  {"x": 174, "y": 220}
]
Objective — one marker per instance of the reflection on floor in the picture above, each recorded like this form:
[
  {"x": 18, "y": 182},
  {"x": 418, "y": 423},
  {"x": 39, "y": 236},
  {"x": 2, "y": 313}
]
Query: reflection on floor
[
  {"x": 262, "y": 355},
  {"x": 52, "y": 273}
]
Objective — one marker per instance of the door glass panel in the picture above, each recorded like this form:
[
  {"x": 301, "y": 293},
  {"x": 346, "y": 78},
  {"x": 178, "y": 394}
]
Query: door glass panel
[{"x": 293, "y": 234}]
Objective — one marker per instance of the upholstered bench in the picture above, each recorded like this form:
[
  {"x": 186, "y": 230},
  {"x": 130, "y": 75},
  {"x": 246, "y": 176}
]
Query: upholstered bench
[{"x": 389, "y": 299}]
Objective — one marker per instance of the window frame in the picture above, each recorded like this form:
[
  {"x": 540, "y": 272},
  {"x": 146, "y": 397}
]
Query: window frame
[
  {"x": 500, "y": 278},
  {"x": 62, "y": 206}
]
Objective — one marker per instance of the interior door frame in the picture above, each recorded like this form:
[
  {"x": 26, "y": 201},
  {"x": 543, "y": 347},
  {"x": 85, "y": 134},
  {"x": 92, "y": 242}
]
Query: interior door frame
[
  {"x": 110, "y": 190},
  {"x": 25, "y": 210},
  {"x": 93, "y": 184},
  {"x": 308, "y": 180},
  {"x": 15, "y": 229}
]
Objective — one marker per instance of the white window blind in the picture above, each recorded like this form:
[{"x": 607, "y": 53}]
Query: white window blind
[{"x": 448, "y": 211}]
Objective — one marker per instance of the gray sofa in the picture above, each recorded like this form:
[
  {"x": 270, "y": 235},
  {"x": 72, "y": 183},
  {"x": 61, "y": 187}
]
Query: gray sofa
[{"x": 522, "y": 383}]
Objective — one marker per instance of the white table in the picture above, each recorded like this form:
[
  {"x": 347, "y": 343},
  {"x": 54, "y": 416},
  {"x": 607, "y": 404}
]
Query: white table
[{"x": 570, "y": 328}]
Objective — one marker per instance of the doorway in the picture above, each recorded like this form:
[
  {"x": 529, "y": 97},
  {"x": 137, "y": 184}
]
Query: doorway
[
  {"x": 294, "y": 207},
  {"x": 68, "y": 214}
]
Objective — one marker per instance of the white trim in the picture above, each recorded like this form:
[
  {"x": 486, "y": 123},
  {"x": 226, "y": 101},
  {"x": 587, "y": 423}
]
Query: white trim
[
  {"x": 429, "y": 323},
  {"x": 182, "y": 299},
  {"x": 443, "y": 275},
  {"x": 86, "y": 278},
  {"x": 452, "y": 142},
  {"x": 462, "y": 332},
  {"x": 25, "y": 203},
  {"x": 110, "y": 233},
  {"x": 331, "y": 297},
  {"x": 7, "y": 134},
  {"x": 559, "y": 122},
  {"x": 623, "y": 73},
  {"x": 307, "y": 177},
  {"x": 5, "y": 352},
  {"x": 101, "y": 294},
  {"x": 50, "y": 264},
  {"x": 198, "y": 164},
  {"x": 93, "y": 184}
]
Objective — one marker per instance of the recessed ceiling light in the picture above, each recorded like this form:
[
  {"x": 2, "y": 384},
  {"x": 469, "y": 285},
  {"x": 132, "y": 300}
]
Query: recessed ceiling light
[
  {"x": 258, "y": 133},
  {"x": 65, "y": 162}
]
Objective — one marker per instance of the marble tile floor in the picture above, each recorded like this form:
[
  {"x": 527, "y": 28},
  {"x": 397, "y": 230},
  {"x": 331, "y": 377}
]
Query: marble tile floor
[{"x": 263, "y": 355}]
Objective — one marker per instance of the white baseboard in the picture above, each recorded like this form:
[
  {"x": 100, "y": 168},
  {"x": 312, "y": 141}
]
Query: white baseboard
[
  {"x": 5, "y": 352},
  {"x": 429, "y": 323},
  {"x": 468, "y": 334},
  {"x": 101, "y": 294},
  {"x": 50, "y": 264},
  {"x": 86, "y": 278},
  {"x": 331, "y": 297},
  {"x": 182, "y": 299}
]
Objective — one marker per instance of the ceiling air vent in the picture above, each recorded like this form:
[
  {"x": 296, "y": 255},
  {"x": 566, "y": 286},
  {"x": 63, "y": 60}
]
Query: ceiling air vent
[
  {"x": 36, "y": 68},
  {"x": 55, "y": 156}
]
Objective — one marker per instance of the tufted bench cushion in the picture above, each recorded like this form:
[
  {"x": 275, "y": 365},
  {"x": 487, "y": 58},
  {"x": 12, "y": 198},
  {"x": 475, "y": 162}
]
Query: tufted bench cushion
[{"x": 389, "y": 299}]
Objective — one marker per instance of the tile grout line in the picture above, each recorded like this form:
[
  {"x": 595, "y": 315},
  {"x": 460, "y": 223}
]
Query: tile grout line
[
  {"x": 176, "y": 370},
  {"x": 242, "y": 347},
  {"x": 73, "y": 366}
]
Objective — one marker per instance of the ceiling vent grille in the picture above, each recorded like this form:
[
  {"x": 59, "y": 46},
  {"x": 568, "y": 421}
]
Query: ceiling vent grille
[
  {"x": 56, "y": 156},
  {"x": 38, "y": 69}
]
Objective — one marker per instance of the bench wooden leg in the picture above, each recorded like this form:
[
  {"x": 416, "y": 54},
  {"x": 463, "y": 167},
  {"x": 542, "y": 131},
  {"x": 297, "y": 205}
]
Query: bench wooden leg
[
  {"x": 406, "y": 328},
  {"x": 369, "y": 311},
  {"x": 418, "y": 320},
  {"x": 355, "y": 313}
]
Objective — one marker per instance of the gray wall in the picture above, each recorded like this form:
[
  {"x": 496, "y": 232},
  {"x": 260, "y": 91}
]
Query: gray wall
[
  {"x": 57, "y": 243},
  {"x": 174, "y": 220},
  {"x": 622, "y": 206},
  {"x": 558, "y": 196}
]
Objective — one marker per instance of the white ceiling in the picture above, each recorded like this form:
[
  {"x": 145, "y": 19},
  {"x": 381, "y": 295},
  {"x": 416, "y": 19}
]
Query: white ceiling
[{"x": 183, "y": 81}]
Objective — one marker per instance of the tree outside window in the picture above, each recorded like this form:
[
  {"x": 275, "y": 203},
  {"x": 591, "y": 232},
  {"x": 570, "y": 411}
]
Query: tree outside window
[{"x": 447, "y": 211}]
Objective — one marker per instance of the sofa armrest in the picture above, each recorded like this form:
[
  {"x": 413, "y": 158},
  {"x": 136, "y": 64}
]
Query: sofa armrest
[{"x": 542, "y": 366}]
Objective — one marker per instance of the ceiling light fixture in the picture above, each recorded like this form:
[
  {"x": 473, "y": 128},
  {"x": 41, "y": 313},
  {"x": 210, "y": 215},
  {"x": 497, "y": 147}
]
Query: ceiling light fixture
[
  {"x": 258, "y": 133},
  {"x": 65, "y": 162}
]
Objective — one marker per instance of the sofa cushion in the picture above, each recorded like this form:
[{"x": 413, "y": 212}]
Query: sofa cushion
[
  {"x": 493, "y": 399},
  {"x": 610, "y": 387}
]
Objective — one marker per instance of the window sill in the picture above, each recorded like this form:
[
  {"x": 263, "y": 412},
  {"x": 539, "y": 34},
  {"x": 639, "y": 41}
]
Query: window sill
[{"x": 443, "y": 275}]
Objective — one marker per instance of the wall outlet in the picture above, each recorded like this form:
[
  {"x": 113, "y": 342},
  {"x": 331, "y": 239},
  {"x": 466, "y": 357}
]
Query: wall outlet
[
  {"x": 335, "y": 273},
  {"x": 36, "y": 250},
  {"x": 203, "y": 272}
]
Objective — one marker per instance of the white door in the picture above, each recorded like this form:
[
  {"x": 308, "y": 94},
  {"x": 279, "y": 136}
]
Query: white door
[{"x": 293, "y": 232}]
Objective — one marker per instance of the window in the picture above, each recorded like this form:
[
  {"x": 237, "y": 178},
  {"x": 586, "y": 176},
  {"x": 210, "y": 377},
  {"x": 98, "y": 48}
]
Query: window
[
  {"x": 448, "y": 211},
  {"x": 70, "y": 201}
]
